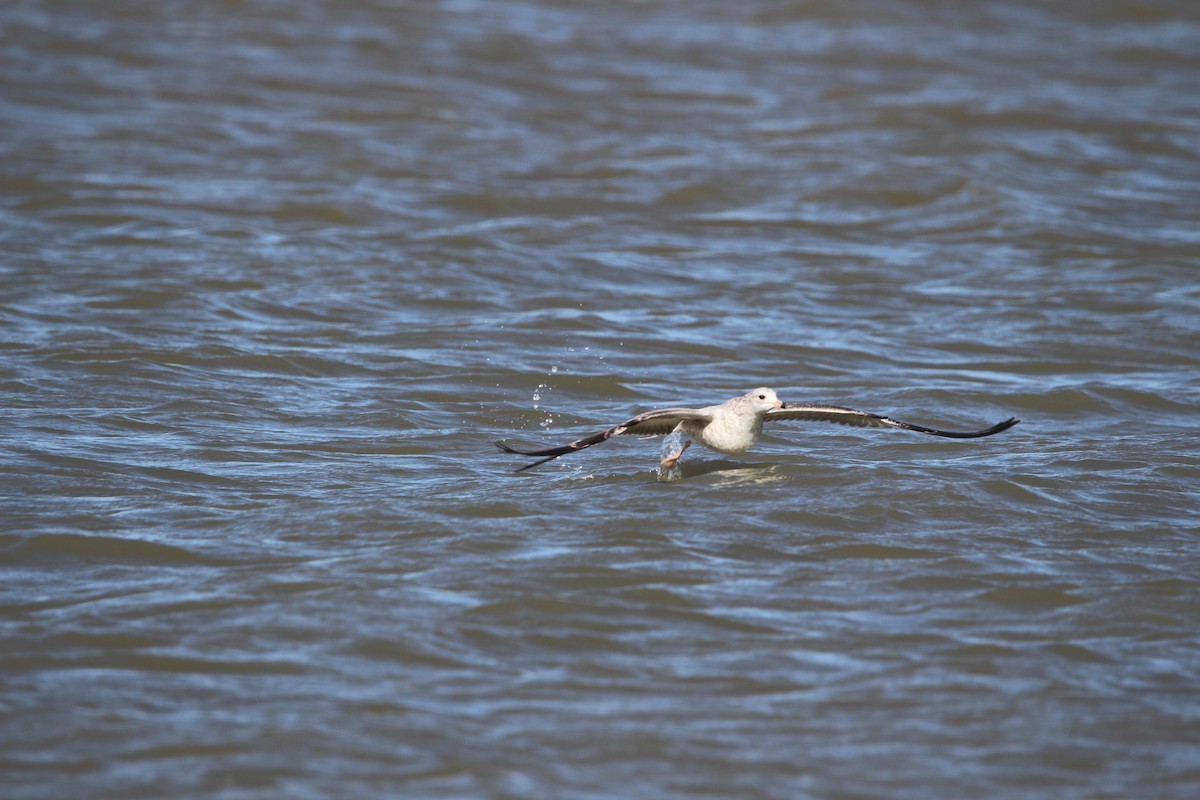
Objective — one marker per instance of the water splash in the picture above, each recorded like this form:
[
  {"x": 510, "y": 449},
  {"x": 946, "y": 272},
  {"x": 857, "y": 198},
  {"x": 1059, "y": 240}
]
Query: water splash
[
  {"x": 537, "y": 397},
  {"x": 671, "y": 445}
]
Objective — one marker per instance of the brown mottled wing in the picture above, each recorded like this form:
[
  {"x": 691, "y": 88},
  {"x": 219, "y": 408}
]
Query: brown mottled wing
[
  {"x": 864, "y": 419},
  {"x": 651, "y": 423}
]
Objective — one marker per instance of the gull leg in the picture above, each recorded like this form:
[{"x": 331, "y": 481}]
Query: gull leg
[{"x": 670, "y": 461}]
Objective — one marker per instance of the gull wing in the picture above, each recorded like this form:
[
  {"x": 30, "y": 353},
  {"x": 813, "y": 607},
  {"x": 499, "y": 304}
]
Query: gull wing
[
  {"x": 651, "y": 423},
  {"x": 865, "y": 419}
]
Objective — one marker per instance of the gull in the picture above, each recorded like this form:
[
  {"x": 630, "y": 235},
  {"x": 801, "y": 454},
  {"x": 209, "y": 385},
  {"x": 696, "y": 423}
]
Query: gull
[{"x": 734, "y": 426}]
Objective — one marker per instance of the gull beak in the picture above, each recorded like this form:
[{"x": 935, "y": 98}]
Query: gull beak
[{"x": 779, "y": 404}]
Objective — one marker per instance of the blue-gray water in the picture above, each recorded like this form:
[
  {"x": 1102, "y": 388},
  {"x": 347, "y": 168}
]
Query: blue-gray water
[{"x": 274, "y": 276}]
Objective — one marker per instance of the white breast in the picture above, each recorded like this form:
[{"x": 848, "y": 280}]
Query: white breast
[{"x": 727, "y": 433}]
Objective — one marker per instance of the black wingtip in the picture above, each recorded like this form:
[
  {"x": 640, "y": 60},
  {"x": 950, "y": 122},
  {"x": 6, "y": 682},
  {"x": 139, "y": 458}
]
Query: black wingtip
[
  {"x": 1008, "y": 423},
  {"x": 997, "y": 428},
  {"x": 517, "y": 452}
]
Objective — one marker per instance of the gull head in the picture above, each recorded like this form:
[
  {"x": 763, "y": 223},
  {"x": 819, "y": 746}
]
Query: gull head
[{"x": 763, "y": 399}]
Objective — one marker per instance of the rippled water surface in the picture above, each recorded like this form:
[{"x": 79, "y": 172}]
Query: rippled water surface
[{"x": 274, "y": 276}]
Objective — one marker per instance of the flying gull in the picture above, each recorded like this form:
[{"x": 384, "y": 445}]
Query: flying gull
[{"x": 734, "y": 426}]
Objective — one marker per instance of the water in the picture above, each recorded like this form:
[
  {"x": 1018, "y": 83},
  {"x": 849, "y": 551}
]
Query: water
[{"x": 274, "y": 277}]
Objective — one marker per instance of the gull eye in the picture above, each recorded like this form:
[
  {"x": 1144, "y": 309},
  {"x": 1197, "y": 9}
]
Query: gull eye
[{"x": 762, "y": 397}]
